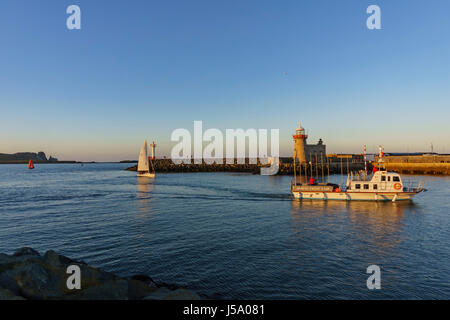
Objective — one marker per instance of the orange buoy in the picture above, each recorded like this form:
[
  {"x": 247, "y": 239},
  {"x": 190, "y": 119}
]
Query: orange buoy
[
  {"x": 30, "y": 165},
  {"x": 397, "y": 186}
]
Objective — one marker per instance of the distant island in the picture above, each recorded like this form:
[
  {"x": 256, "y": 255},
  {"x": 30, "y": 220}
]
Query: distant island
[{"x": 24, "y": 157}]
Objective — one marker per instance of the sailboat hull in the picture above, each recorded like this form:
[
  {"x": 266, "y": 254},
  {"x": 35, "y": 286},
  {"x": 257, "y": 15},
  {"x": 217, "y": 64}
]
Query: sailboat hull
[{"x": 146, "y": 175}]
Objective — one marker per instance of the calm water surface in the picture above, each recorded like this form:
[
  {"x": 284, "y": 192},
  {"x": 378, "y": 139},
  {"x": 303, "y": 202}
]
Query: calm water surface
[{"x": 229, "y": 235}]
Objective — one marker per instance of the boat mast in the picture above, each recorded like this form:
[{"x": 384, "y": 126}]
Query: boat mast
[
  {"x": 380, "y": 157},
  {"x": 306, "y": 172},
  {"x": 321, "y": 164},
  {"x": 300, "y": 169},
  {"x": 317, "y": 165},
  {"x": 348, "y": 170},
  {"x": 328, "y": 167},
  {"x": 295, "y": 174}
]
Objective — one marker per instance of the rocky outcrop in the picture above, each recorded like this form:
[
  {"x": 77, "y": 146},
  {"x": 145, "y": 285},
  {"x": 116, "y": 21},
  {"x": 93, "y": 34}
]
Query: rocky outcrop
[
  {"x": 23, "y": 157},
  {"x": 28, "y": 275},
  {"x": 41, "y": 156}
]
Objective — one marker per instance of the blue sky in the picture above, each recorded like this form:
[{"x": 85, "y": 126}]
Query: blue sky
[{"x": 140, "y": 69}]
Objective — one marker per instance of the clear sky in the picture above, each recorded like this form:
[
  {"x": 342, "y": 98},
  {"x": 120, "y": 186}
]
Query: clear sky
[{"x": 140, "y": 69}]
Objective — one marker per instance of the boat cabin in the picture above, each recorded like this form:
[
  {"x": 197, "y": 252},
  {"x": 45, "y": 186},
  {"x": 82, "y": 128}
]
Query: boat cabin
[{"x": 380, "y": 181}]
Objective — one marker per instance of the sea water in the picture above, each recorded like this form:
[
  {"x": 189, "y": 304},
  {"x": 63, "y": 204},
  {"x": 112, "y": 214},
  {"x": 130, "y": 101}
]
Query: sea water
[{"x": 228, "y": 235}]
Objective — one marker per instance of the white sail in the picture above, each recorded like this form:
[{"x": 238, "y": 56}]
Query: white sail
[{"x": 143, "y": 159}]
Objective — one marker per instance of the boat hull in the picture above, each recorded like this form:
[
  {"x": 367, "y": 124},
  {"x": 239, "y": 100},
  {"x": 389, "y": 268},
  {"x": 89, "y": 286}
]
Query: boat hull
[
  {"x": 146, "y": 175},
  {"x": 355, "y": 196}
]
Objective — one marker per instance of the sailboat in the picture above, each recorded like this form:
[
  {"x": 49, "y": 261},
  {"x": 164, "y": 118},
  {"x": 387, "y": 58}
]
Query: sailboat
[
  {"x": 30, "y": 165},
  {"x": 143, "y": 167}
]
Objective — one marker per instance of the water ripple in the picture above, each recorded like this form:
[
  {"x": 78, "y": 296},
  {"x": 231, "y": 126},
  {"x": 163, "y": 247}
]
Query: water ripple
[{"x": 229, "y": 236}]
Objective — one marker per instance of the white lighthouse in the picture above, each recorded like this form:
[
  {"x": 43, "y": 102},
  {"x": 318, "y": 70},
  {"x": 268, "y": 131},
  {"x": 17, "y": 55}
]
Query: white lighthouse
[{"x": 153, "y": 145}]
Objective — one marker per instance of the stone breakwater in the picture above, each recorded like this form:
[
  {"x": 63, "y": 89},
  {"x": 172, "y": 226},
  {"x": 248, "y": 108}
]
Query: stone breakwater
[
  {"x": 286, "y": 167},
  {"x": 419, "y": 168},
  {"x": 27, "y": 275},
  {"x": 429, "y": 164},
  {"x": 166, "y": 166}
]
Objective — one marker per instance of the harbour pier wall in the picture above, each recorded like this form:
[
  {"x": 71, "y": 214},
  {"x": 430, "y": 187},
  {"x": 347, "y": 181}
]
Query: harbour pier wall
[
  {"x": 419, "y": 168},
  {"x": 434, "y": 164},
  {"x": 286, "y": 167}
]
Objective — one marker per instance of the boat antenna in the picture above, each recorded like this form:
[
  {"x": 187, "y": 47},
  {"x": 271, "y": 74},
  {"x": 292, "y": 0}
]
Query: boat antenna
[
  {"x": 365, "y": 159},
  {"x": 380, "y": 157}
]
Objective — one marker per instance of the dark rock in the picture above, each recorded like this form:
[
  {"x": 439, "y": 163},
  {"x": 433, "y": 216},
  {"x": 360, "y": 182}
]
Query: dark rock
[
  {"x": 41, "y": 156},
  {"x": 30, "y": 280},
  {"x": 29, "y": 275},
  {"x": 90, "y": 277},
  {"x": 158, "y": 294},
  {"x": 179, "y": 294},
  {"x": 26, "y": 251},
  {"x": 56, "y": 261},
  {"x": 4, "y": 259},
  {"x": 144, "y": 278},
  {"x": 108, "y": 290},
  {"x": 138, "y": 289},
  {"x": 170, "y": 286},
  {"x": 9, "y": 295}
]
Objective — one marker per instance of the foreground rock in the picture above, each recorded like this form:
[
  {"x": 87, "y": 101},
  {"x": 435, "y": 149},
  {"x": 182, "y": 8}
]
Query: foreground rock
[{"x": 28, "y": 275}]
